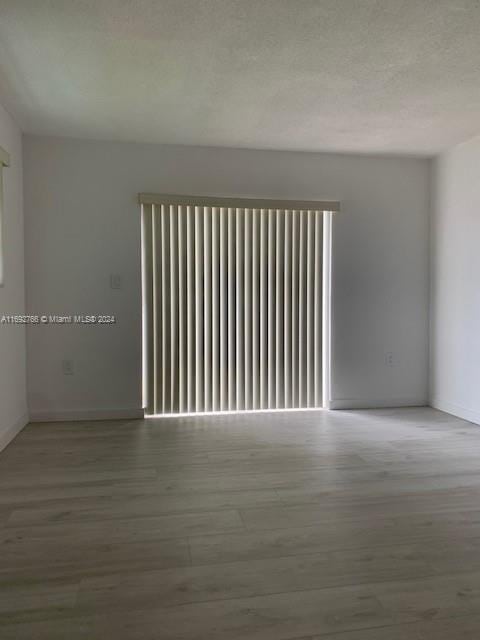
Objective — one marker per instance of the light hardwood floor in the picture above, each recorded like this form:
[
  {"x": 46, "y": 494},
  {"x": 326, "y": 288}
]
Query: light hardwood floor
[{"x": 335, "y": 526}]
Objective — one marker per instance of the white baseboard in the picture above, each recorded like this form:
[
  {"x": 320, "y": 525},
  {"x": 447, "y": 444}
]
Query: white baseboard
[
  {"x": 8, "y": 434},
  {"x": 376, "y": 403},
  {"x": 455, "y": 410},
  {"x": 88, "y": 414}
]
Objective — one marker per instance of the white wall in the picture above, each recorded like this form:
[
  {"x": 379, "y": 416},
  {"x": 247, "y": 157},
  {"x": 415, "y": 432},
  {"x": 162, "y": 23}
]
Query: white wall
[
  {"x": 13, "y": 408},
  {"x": 83, "y": 224},
  {"x": 455, "y": 300}
]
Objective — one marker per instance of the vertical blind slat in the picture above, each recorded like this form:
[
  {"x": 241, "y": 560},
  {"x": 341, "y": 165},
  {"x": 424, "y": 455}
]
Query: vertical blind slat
[
  {"x": 287, "y": 315},
  {"x": 295, "y": 255},
  {"x": 255, "y": 309},
  {"x": 302, "y": 283},
  {"x": 223, "y": 310},
  {"x": 271, "y": 269},
  {"x": 247, "y": 315},
  {"x": 182, "y": 298},
  {"x": 215, "y": 309},
  {"x": 190, "y": 255},
  {"x": 165, "y": 296},
  {"x": 279, "y": 291},
  {"x": 207, "y": 308},
  {"x": 173, "y": 304},
  {"x": 231, "y": 335},
  {"x": 199, "y": 303},
  {"x": 310, "y": 264},
  {"x": 263, "y": 317},
  {"x": 318, "y": 308},
  {"x": 239, "y": 310}
]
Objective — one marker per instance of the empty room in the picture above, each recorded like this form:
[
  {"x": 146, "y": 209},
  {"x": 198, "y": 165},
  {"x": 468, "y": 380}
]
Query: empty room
[{"x": 239, "y": 320}]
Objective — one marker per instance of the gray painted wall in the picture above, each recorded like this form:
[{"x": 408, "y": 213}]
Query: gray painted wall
[
  {"x": 13, "y": 408},
  {"x": 83, "y": 224},
  {"x": 455, "y": 301}
]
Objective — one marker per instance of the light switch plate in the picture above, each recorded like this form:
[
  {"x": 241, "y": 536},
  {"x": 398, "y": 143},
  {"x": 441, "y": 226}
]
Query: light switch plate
[{"x": 67, "y": 367}]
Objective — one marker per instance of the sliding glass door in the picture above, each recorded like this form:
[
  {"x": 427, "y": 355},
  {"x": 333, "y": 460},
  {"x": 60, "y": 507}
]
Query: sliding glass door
[{"x": 233, "y": 307}]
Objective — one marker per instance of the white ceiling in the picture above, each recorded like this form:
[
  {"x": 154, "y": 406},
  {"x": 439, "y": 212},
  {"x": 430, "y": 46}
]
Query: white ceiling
[{"x": 370, "y": 76}]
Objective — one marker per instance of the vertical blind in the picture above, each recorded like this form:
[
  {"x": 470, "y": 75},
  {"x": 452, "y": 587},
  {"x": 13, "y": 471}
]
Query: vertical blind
[{"x": 233, "y": 307}]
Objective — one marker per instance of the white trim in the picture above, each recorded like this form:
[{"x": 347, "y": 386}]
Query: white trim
[
  {"x": 8, "y": 434},
  {"x": 377, "y": 403},
  {"x": 86, "y": 414},
  {"x": 246, "y": 203},
  {"x": 456, "y": 410}
]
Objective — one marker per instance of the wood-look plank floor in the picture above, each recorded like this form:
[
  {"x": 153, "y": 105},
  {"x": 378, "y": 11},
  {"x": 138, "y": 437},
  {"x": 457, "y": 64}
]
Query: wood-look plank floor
[{"x": 300, "y": 526}]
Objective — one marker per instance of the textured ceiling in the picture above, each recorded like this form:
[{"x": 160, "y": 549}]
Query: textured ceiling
[{"x": 370, "y": 76}]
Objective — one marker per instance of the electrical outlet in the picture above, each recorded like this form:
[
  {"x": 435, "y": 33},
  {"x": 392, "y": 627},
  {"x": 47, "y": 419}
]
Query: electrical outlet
[
  {"x": 116, "y": 281},
  {"x": 389, "y": 359},
  {"x": 67, "y": 367}
]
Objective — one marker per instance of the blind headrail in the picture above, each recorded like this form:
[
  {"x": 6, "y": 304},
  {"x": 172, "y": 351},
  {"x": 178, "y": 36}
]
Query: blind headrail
[{"x": 245, "y": 203}]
